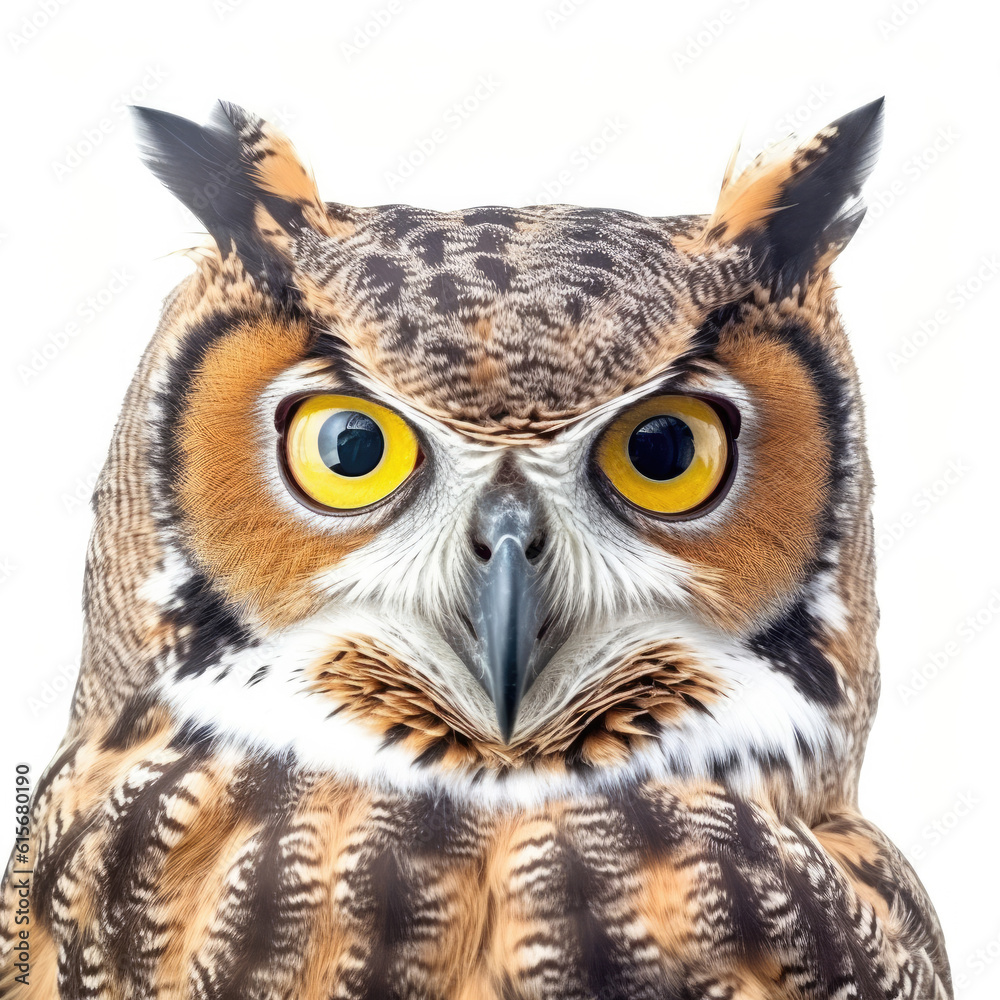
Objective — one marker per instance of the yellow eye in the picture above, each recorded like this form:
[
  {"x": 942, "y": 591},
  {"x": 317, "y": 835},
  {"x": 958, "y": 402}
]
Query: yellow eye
[
  {"x": 345, "y": 452},
  {"x": 669, "y": 454}
]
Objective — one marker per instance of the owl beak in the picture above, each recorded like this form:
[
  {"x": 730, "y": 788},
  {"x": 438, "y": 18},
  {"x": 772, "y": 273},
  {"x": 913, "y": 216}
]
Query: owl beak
[
  {"x": 508, "y": 612},
  {"x": 506, "y": 638}
]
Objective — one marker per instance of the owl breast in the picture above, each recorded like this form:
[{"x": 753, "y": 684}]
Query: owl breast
[{"x": 194, "y": 870}]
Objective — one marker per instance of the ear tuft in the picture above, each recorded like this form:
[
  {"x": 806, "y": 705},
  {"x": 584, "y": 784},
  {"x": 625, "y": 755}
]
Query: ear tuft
[
  {"x": 795, "y": 208},
  {"x": 273, "y": 165},
  {"x": 239, "y": 176}
]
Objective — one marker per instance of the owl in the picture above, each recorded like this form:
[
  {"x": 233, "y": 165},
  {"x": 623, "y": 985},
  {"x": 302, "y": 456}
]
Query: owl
[{"x": 479, "y": 607}]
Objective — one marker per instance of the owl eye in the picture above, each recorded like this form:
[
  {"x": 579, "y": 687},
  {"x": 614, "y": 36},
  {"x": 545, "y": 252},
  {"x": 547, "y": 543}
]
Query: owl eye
[
  {"x": 669, "y": 454},
  {"x": 344, "y": 453}
]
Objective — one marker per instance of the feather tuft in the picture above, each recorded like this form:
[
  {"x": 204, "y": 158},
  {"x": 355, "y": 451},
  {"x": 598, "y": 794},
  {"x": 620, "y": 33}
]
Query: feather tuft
[{"x": 796, "y": 207}]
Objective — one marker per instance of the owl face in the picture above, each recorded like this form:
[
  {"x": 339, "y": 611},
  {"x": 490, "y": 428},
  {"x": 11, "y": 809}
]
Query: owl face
[{"x": 511, "y": 498}]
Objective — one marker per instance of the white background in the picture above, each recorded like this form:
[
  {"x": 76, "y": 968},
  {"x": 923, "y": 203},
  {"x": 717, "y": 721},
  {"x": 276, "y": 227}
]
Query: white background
[{"x": 627, "y": 104}]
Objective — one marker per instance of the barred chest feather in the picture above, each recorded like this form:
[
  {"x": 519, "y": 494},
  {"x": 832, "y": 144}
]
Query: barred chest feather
[{"x": 169, "y": 867}]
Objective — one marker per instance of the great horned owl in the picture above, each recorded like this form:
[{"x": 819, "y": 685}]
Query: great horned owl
[{"x": 480, "y": 606}]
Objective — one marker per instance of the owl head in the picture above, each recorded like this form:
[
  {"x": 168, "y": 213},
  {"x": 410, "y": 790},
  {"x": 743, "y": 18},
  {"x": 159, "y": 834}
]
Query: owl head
[{"x": 500, "y": 500}]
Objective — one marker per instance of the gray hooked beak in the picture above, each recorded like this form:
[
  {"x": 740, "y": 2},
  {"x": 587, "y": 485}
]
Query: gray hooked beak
[{"x": 508, "y": 635}]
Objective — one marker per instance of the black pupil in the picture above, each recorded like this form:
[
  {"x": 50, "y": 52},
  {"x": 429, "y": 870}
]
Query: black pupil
[
  {"x": 350, "y": 443},
  {"x": 661, "y": 447}
]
